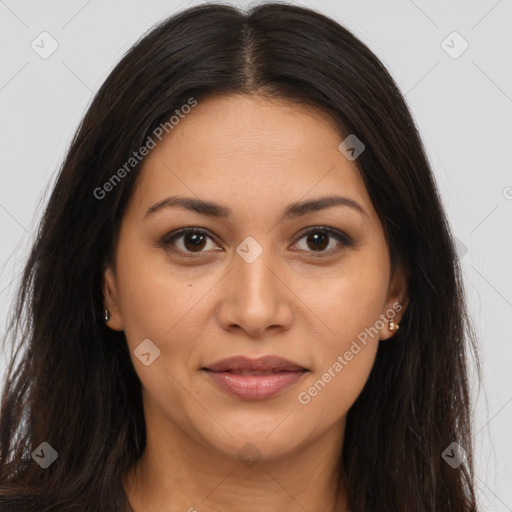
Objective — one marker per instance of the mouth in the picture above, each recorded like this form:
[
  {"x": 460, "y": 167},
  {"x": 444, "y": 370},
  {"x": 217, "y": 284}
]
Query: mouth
[{"x": 255, "y": 379}]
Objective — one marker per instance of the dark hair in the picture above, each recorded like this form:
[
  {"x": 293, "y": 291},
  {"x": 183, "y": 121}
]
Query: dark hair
[{"x": 71, "y": 382}]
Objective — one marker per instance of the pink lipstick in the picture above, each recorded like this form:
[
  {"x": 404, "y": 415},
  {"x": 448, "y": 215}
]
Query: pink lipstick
[{"x": 255, "y": 379}]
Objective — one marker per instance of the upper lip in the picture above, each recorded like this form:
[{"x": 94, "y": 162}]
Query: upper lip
[{"x": 265, "y": 363}]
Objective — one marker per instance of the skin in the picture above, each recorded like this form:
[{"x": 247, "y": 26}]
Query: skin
[{"x": 255, "y": 156}]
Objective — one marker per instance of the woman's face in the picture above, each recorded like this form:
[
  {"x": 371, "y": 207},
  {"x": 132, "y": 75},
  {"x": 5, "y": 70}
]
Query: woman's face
[{"x": 259, "y": 283}]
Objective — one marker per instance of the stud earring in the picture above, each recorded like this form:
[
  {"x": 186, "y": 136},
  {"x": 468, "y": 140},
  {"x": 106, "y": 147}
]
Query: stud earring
[
  {"x": 107, "y": 315},
  {"x": 393, "y": 326}
]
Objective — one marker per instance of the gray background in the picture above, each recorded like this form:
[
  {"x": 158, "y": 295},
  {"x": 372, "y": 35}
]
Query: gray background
[{"x": 462, "y": 106}]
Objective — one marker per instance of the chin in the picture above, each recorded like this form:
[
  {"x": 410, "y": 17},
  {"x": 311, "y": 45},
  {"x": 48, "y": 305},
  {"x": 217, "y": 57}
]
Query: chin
[{"x": 249, "y": 445}]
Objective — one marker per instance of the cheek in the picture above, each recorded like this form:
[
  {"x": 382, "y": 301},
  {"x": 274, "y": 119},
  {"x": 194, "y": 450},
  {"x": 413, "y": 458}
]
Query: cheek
[
  {"x": 350, "y": 298},
  {"x": 157, "y": 304},
  {"x": 153, "y": 297},
  {"x": 350, "y": 305},
  {"x": 344, "y": 358},
  {"x": 331, "y": 392}
]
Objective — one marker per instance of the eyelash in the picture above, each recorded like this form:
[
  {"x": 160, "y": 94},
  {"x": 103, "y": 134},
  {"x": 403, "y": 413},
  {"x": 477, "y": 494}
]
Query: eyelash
[{"x": 168, "y": 240}]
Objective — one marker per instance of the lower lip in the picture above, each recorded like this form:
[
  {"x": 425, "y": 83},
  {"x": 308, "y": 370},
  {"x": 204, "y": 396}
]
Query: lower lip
[{"x": 255, "y": 387}]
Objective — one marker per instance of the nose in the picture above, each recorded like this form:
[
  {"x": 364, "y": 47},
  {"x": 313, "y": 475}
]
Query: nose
[{"x": 255, "y": 297}]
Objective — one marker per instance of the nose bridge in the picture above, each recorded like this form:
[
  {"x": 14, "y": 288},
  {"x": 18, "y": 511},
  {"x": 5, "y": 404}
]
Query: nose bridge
[
  {"x": 254, "y": 298},
  {"x": 252, "y": 272}
]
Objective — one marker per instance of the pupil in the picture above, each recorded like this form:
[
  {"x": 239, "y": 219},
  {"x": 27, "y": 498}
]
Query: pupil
[
  {"x": 319, "y": 240},
  {"x": 195, "y": 240}
]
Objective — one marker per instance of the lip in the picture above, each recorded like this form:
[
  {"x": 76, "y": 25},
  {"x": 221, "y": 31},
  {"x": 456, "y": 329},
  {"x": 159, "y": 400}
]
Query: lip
[{"x": 255, "y": 379}]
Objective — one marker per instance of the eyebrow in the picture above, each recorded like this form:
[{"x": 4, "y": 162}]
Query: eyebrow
[{"x": 292, "y": 211}]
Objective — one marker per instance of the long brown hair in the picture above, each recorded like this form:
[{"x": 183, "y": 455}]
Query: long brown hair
[{"x": 71, "y": 382}]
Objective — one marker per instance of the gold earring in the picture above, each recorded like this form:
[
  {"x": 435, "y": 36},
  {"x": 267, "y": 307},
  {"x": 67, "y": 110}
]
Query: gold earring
[
  {"x": 393, "y": 326},
  {"x": 107, "y": 315}
]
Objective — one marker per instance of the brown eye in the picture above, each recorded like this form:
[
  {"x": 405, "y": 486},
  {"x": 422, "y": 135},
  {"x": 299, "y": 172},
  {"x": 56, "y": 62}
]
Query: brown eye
[
  {"x": 317, "y": 240},
  {"x": 194, "y": 241},
  {"x": 189, "y": 241}
]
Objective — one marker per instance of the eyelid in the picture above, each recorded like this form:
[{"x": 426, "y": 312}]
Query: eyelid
[{"x": 346, "y": 241}]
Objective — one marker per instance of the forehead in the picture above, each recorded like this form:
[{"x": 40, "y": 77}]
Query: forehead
[{"x": 250, "y": 152}]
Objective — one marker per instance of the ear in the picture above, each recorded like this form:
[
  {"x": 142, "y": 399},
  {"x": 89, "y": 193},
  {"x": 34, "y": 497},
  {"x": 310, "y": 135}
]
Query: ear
[
  {"x": 110, "y": 299},
  {"x": 396, "y": 302}
]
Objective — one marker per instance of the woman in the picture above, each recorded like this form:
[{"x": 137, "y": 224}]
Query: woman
[{"x": 244, "y": 291}]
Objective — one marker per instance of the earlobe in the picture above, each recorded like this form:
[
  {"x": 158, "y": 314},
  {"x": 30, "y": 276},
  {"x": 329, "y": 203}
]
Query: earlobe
[
  {"x": 396, "y": 304},
  {"x": 391, "y": 321},
  {"x": 111, "y": 313}
]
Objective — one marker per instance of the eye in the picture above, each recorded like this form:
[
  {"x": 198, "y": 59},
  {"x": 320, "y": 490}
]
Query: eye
[
  {"x": 188, "y": 241},
  {"x": 319, "y": 238}
]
